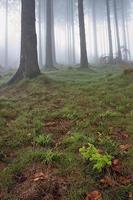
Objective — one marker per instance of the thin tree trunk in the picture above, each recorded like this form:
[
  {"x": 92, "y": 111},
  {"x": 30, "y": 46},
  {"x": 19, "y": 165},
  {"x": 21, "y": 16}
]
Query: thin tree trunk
[
  {"x": 109, "y": 32},
  {"x": 68, "y": 27},
  {"x": 94, "y": 30},
  {"x": 50, "y": 46},
  {"x": 53, "y": 34},
  {"x": 28, "y": 67},
  {"x": 6, "y": 35},
  {"x": 73, "y": 32},
  {"x": 117, "y": 31},
  {"x": 124, "y": 30},
  {"x": 83, "y": 50},
  {"x": 40, "y": 32}
]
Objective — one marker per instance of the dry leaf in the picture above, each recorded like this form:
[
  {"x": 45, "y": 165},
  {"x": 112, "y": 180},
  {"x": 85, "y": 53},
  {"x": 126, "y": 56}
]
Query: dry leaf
[
  {"x": 107, "y": 181},
  {"x": 95, "y": 195},
  {"x": 40, "y": 176},
  {"x": 116, "y": 165},
  {"x": 130, "y": 196},
  {"x": 124, "y": 148},
  {"x": 125, "y": 136}
]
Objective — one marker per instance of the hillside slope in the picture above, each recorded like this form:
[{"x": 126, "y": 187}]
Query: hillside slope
[{"x": 44, "y": 123}]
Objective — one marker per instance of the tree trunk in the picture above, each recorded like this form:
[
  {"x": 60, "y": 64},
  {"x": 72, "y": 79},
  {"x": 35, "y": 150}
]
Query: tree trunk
[
  {"x": 73, "y": 32},
  {"x": 109, "y": 32},
  {"x": 94, "y": 30},
  {"x": 40, "y": 31},
  {"x": 6, "y": 35},
  {"x": 50, "y": 43},
  {"x": 83, "y": 50},
  {"x": 53, "y": 33},
  {"x": 124, "y": 30},
  {"x": 117, "y": 32},
  {"x": 28, "y": 67}
]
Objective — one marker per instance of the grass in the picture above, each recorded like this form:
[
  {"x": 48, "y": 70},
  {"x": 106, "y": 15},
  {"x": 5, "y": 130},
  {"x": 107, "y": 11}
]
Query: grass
[{"x": 96, "y": 103}]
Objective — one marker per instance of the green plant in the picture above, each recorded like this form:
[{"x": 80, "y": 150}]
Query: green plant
[
  {"x": 109, "y": 145},
  {"x": 46, "y": 157},
  {"x": 109, "y": 114},
  {"x": 43, "y": 140},
  {"x": 74, "y": 138},
  {"x": 99, "y": 161}
]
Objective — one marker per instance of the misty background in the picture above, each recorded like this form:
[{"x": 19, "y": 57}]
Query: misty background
[{"x": 66, "y": 31}]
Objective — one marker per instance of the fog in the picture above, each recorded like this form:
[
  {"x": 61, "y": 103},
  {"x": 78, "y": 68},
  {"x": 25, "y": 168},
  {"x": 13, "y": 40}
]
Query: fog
[{"x": 66, "y": 31}]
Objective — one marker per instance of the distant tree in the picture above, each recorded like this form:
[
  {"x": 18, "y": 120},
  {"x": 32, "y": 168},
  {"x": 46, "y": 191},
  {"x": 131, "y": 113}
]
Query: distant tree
[
  {"x": 83, "y": 50},
  {"x": 124, "y": 29},
  {"x": 50, "y": 37},
  {"x": 117, "y": 31},
  {"x": 70, "y": 32},
  {"x": 6, "y": 34},
  {"x": 40, "y": 31},
  {"x": 28, "y": 67},
  {"x": 94, "y": 29},
  {"x": 73, "y": 31},
  {"x": 109, "y": 32}
]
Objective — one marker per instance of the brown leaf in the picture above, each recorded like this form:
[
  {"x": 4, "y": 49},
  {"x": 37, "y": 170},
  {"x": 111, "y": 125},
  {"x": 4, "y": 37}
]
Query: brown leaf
[
  {"x": 130, "y": 196},
  {"x": 40, "y": 176},
  {"x": 124, "y": 148},
  {"x": 116, "y": 165},
  {"x": 107, "y": 181},
  {"x": 125, "y": 135},
  {"x": 95, "y": 195}
]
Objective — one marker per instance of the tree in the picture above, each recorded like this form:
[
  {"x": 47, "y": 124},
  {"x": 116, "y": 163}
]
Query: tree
[
  {"x": 70, "y": 32},
  {"x": 109, "y": 32},
  {"x": 50, "y": 38},
  {"x": 117, "y": 31},
  {"x": 6, "y": 34},
  {"x": 83, "y": 50},
  {"x": 94, "y": 29},
  {"x": 40, "y": 31},
  {"x": 28, "y": 67},
  {"x": 124, "y": 29}
]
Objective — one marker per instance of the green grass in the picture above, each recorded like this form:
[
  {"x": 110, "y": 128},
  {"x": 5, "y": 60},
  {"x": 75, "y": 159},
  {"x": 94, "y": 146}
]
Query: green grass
[{"x": 96, "y": 103}]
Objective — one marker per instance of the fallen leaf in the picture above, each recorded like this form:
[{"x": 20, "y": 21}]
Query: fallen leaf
[
  {"x": 130, "y": 196},
  {"x": 116, "y": 165},
  {"x": 125, "y": 136},
  {"x": 95, "y": 195},
  {"x": 40, "y": 176},
  {"x": 124, "y": 148},
  {"x": 107, "y": 181}
]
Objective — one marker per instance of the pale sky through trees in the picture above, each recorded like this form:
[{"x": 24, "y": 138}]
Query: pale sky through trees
[{"x": 61, "y": 35}]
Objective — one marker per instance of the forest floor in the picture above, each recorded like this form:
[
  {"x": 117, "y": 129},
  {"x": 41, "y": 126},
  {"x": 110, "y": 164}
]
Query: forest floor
[{"x": 45, "y": 121}]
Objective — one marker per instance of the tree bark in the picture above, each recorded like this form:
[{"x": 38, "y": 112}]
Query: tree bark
[
  {"x": 109, "y": 32},
  {"x": 6, "y": 35},
  {"x": 28, "y": 67},
  {"x": 50, "y": 41},
  {"x": 94, "y": 30},
  {"x": 40, "y": 31},
  {"x": 124, "y": 29},
  {"x": 83, "y": 50},
  {"x": 117, "y": 31},
  {"x": 53, "y": 34}
]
